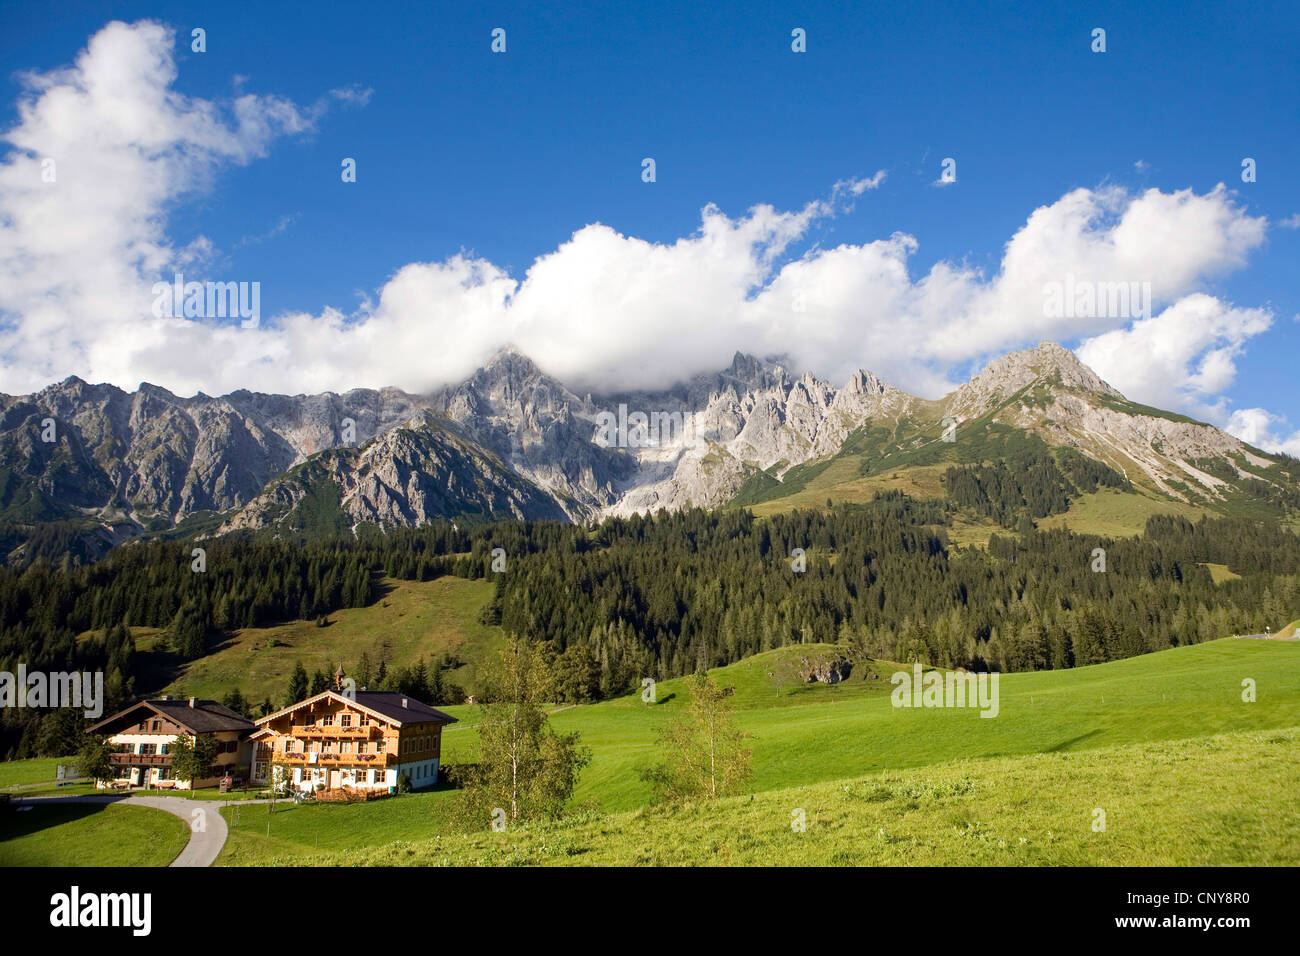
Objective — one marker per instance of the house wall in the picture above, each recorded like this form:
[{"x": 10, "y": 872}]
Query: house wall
[
  {"x": 416, "y": 747},
  {"x": 225, "y": 763},
  {"x": 423, "y": 773}
]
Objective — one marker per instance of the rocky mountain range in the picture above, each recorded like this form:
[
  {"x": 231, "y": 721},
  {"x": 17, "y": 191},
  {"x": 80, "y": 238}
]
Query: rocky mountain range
[{"x": 511, "y": 441}]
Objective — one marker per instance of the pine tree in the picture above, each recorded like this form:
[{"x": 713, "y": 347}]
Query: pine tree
[{"x": 298, "y": 685}]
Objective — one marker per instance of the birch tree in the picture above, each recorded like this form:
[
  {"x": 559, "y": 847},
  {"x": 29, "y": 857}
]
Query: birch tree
[
  {"x": 525, "y": 767},
  {"x": 704, "y": 752}
]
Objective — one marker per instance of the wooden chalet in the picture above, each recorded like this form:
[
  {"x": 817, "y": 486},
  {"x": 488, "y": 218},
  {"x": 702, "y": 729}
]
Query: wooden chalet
[
  {"x": 362, "y": 740},
  {"x": 144, "y": 732}
]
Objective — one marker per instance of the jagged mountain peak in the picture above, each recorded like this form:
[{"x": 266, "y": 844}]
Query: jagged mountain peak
[
  {"x": 1050, "y": 362},
  {"x": 751, "y": 371},
  {"x": 162, "y": 457},
  {"x": 512, "y": 362},
  {"x": 863, "y": 382},
  {"x": 75, "y": 385},
  {"x": 1049, "y": 365}
]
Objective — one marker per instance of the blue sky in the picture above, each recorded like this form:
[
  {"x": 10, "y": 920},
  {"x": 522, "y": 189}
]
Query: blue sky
[{"x": 503, "y": 157}]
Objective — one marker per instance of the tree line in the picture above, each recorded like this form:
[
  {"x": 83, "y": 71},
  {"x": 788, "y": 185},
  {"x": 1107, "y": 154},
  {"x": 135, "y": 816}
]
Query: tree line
[{"x": 665, "y": 595}]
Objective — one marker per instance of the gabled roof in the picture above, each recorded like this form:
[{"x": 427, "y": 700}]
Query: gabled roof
[
  {"x": 400, "y": 709},
  {"x": 195, "y": 715}
]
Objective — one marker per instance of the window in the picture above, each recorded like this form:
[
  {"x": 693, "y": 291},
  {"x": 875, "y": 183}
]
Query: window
[
  {"x": 363, "y": 720},
  {"x": 345, "y": 720},
  {"x": 162, "y": 748},
  {"x": 327, "y": 720},
  {"x": 148, "y": 748},
  {"x": 157, "y": 725},
  {"x": 144, "y": 725}
]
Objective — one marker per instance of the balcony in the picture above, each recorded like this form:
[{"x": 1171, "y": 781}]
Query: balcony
[
  {"x": 333, "y": 760},
  {"x": 331, "y": 730},
  {"x": 140, "y": 760}
]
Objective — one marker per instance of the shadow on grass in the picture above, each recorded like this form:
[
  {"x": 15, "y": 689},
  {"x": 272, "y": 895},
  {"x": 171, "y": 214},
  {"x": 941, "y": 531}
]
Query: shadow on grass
[
  {"x": 1067, "y": 744},
  {"x": 18, "y": 821}
]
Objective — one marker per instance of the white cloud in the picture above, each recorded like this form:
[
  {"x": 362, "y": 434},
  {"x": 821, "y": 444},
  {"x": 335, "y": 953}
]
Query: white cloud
[
  {"x": 78, "y": 255},
  {"x": 858, "y": 186},
  {"x": 1290, "y": 222},
  {"x": 1183, "y": 358},
  {"x": 604, "y": 310},
  {"x": 1258, "y": 427}
]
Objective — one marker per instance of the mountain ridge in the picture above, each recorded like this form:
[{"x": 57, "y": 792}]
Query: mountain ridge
[{"x": 512, "y": 441}]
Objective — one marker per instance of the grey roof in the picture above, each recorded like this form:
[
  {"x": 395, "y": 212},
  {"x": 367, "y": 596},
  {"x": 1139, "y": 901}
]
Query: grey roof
[
  {"x": 385, "y": 703},
  {"x": 204, "y": 717},
  {"x": 389, "y": 703}
]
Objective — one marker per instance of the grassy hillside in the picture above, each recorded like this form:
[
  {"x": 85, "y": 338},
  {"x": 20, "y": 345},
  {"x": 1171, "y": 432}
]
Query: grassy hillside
[
  {"x": 88, "y": 835},
  {"x": 813, "y": 733},
  {"x": 807, "y": 737},
  {"x": 1187, "y": 772},
  {"x": 911, "y": 456},
  {"x": 1114, "y": 514},
  {"x": 410, "y": 619},
  {"x": 1229, "y": 799}
]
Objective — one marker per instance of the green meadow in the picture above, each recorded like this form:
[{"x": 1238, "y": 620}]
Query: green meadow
[
  {"x": 1186, "y": 770},
  {"x": 89, "y": 835},
  {"x": 1230, "y": 799},
  {"x": 814, "y": 733},
  {"x": 1167, "y": 736}
]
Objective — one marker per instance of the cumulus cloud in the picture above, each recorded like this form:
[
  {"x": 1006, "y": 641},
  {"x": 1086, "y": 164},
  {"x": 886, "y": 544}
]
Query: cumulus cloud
[
  {"x": 604, "y": 310},
  {"x": 1263, "y": 429},
  {"x": 101, "y": 151},
  {"x": 1182, "y": 358}
]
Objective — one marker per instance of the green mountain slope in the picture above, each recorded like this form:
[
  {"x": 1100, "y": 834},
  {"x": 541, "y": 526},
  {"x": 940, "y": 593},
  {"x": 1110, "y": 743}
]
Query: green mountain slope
[
  {"x": 813, "y": 733},
  {"x": 1230, "y": 799}
]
